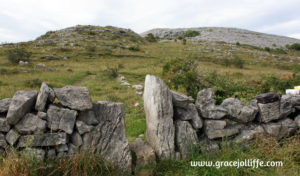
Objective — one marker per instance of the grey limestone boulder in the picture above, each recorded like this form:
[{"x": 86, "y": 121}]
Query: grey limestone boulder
[
  {"x": 34, "y": 153},
  {"x": 31, "y": 124},
  {"x": 286, "y": 106},
  {"x": 3, "y": 142},
  {"x": 238, "y": 111},
  {"x": 42, "y": 97},
  {"x": 76, "y": 98},
  {"x": 4, "y": 126},
  {"x": 144, "y": 153},
  {"x": 281, "y": 129},
  {"x": 61, "y": 118},
  {"x": 220, "y": 128},
  {"x": 76, "y": 139},
  {"x": 88, "y": 117},
  {"x": 269, "y": 111},
  {"x": 43, "y": 140},
  {"x": 21, "y": 103},
  {"x": 158, "y": 107},
  {"x": 12, "y": 137},
  {"x": 181, "y": 100},
  {"x": 297, "y": 120},
  {"x": 186, "y": 138},
  {"x": 108, "y": 138},
  {"x": 249, "y": 134},
  {"x": 83, "y": 127},
  {"x": 4, "y": 105}
]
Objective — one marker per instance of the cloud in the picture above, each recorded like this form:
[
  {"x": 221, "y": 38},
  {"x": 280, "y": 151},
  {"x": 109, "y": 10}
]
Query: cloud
[{"x": 25, "y": 20}]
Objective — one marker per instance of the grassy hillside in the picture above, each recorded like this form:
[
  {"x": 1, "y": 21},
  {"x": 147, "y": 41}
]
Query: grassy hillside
[{"x": 95, "y": 54}]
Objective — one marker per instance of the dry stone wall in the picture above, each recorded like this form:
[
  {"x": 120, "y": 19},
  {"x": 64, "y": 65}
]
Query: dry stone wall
[
  {"x": 177, "y": 126},
  {"x": 37, "y": 124},
  {"x": 62, "y": 121}
]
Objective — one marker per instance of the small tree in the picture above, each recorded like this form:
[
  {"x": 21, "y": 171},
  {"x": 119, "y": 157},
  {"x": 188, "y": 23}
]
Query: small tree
[
  {"x": 191, "y": 33},
  {"x": 150, "y": 38}
]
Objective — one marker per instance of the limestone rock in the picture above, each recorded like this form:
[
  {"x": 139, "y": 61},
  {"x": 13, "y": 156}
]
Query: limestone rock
[
  {"x": 205, "y": 99},
  {"x": 138, "y": 87},
  {"x": 186, "y": 138},
  {"x": 3, "y": 142},
  {"x": 42, "y": 97},
  {"x": 208, "y": 146},
  {"x": 144, "y": 153},
  {"x": 88, "y": 117},
  {"x": 42, "y": 115},
  {"x": 34, "y": 153},
  {"x": 238, "y": 111},
  {"x": 269, "y": 111},
  {"x": 31, "y": 124},
  {"x": 267, "y": 98},
  {"x": 76, "y": 98},
  {"x": 12, "y": 136},
  {"x": 62, "y": 148},
  {"x": 297, "y": 120},
  {"x": 109, "y": 137},
  {"x": 51, "y": 154},
  {"x": 181, "y": 100},
  {"x": 76, "y": 139},
  {"x": 218, "y": 128},
  {"x": 4, "y": 105},
  {"x": 43, "y": 140},
  {"x": 189, "y": 113},
  {"x": 206, "y": 106},
  {"x": 247, "y": 135},
  {"x": 286, "y": 106},
  {"x": 158, "y": 106},
  {"x": 83, "y": 127},
  {"x": 281, "y": 129},
  {"x": 21, "y": 103},
  {"x": 4, "y": 126},
  {"x": 61, "y": 118}
]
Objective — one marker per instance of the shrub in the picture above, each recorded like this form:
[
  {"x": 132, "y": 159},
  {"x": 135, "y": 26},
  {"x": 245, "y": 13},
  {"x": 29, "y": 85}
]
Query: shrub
[
  {"x": 150, "y": 38},
  {"x": 182, "y": 73},
  {"x": 191, "y": 33},
  {"x": 113, "y": 72},
  {"x": 238, "y": 62},
  {"x": 134, "y": 48},
  {"x": 184, "y": 41},
  {"x": 238, "y": 43},
  {"x": 295, "y": 46},
  {"x": 17, "y": 54}
]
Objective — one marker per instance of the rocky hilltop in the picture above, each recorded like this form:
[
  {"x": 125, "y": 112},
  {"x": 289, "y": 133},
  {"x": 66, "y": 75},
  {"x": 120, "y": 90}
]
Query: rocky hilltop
[{"x": 228, "y": 35}]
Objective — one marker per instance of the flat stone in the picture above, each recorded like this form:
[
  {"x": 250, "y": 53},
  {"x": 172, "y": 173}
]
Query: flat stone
[
  {"x": 269, "y": 112},
  {"x": 205, "y": 99},
  {"x": 31, "y": 124},
  {"x": 4, "y": 105},
  {"x": 267, "y": 98},
  {"x": 181, "y": 100},
  {"x": 76, "y": 98},
  {"x": 158, "y": 106},
  {"x": 62, "y": 148},
  {"x": 61, "y": 118},
  {"x": 42, "y": 97},
  {"x": 76, "y": 139},
  {"x": 218, "y": 129},
  {"x": 21, "y": 103},
  {"x": 43, "y": 140},
  {"x": 190, "y": 113},
  {"x": 4, "y": 126},
  {"x": 12, "y": 137},
  {"x": 238, "y": 111},
  {"x": 88, "y": 117},
  {"x": 83, "y": 127},
  {"x": 144, "y": 153},
  {"x": 185, "y": 138}
]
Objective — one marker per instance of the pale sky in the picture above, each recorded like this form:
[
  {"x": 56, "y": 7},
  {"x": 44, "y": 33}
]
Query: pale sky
[{"x": 23, "y": 20}]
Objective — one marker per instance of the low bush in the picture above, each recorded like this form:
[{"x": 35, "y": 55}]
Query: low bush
[
  {"x": 150, "y": 38},
  {"x": 17, "y": 54},
  {"x": 32, "y": 83},
  {"x": 295, "y": 46},
  {"x": 191, "y": 33},
  {"x": 238, "y": 62}
]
